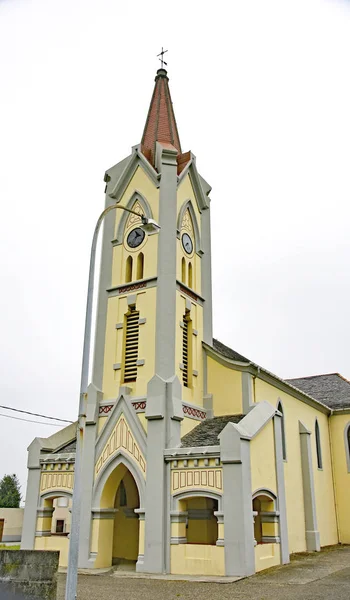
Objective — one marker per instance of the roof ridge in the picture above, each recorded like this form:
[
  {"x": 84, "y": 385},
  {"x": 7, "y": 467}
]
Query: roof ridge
[{"x": 314, "y": 376}]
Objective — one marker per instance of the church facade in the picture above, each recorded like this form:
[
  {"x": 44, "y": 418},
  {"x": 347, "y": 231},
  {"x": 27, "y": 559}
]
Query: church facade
[{"x": 195, "y": 459}]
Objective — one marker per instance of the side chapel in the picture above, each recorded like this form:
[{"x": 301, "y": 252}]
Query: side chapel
[{"x": 195, "y": 459}]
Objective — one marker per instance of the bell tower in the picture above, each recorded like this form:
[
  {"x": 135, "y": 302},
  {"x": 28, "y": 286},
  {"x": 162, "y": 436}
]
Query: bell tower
[{"x": 154, "y": 306}]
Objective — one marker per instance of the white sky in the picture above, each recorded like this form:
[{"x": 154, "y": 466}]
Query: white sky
[{"x": 261, "y": 94}]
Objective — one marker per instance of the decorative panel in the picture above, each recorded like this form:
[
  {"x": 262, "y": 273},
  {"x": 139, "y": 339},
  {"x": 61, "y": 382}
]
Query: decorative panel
[
  {"x": 57, "y": 480},
  {"x": 185, "y": 479},
  {"x": 121, "y": 439}
]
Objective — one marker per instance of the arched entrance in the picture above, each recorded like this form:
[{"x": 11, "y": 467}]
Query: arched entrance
[
  {"x": 115, "y": 525},
  {"x": 126, "y": 522}
]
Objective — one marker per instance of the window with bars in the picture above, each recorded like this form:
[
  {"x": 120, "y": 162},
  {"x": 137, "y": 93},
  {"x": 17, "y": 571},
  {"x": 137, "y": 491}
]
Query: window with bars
[
  {"x": 131, "y": 345},
  {"x": 187, "y": 351}
]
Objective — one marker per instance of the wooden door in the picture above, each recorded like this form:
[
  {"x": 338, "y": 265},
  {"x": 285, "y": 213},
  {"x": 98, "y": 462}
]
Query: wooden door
[{"x": 1, "y": 528}]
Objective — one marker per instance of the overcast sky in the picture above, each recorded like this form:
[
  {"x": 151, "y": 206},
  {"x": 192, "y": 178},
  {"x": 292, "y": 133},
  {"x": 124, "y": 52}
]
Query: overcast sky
[{"x": 261, "y": 92}]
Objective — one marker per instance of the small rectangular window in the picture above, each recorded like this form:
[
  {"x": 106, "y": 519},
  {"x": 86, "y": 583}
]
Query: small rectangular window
[{"x": 60, "y": 526}]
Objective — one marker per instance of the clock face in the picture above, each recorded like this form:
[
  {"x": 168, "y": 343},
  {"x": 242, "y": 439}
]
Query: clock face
[
  {"x": 135, "y": 237},
  {"x": 187, "y": 243}
]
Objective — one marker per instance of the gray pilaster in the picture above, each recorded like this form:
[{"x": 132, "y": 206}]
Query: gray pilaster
[
  {"x": 247, "y": 392},
  {"x": 87, "y": 465},
  {"x": 166, "y": 285},
  {"x": 164, "y": 414},
  {"x": 164, "y": 403},
  {"x": 237, "y": 504},
  {"x": 311, "y": 530},
  {"x": 281, "y": 492},
  {"x": 32, "y": 496},
  {"x": 206, "y": 278}
]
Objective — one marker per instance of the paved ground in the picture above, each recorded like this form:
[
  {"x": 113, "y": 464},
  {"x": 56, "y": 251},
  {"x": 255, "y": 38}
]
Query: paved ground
[{"x": 318, "y": 576}]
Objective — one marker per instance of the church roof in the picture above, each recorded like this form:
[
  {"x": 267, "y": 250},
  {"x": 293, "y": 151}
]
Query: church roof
[
  {"x": 161, "y": 123},
  {"x": 206, "y": 433},
  {"x": 228, "y": 352},
  {"x": 332, "y": 389}
]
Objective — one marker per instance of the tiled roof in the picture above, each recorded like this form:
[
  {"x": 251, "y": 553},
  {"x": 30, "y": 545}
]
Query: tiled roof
[
  {"x": 228, "y": 352},
  {"x": 160, "y": 124},
  {"x": 206, "y": 433},
  {"x": 71, "y": 447},
  {"x": 332, "y": 389}
]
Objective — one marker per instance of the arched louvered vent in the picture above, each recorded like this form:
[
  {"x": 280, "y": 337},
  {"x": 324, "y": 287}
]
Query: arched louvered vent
[{"x": 131, "y": 345}]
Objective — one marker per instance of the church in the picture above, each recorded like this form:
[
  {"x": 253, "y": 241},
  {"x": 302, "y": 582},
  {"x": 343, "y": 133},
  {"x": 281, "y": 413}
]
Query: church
[{"x": 196, "y": 460}]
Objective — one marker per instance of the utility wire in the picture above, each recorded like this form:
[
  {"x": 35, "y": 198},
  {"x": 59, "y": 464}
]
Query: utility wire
[
  {"x": 26, "y": 412},
  {"x": 30, "y": 421}
]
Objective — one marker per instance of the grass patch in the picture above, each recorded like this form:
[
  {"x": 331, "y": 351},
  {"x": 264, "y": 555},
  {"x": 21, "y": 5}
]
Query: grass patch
[{"x": 4, "y": 547}]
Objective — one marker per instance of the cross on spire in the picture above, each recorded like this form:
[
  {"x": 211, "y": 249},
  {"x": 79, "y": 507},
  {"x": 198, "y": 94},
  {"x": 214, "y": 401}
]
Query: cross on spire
[{"x": 162, "y": 59}]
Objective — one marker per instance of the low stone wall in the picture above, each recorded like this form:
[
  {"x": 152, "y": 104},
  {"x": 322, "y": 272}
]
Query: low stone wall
[{"x": 31, "y": 574}]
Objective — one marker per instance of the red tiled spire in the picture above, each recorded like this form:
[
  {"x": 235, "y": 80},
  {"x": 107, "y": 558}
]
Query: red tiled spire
[{"x": 160, "y": 124}]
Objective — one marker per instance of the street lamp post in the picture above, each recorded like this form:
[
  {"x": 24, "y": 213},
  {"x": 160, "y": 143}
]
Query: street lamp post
[{"x": 150, "y": 227}]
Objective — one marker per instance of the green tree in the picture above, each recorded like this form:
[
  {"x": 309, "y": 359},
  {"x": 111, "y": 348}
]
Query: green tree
[{"x": 10, "y": 495}]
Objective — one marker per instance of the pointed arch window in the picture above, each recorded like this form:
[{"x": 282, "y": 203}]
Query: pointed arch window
[
  {"x": 318, "y": 445},
  {"x": 140, "y": 265},
  {"x": 183, "y": 271},
  {"x": 190, "y": 282},
  {"x": 283, "y": 431},
  {"x": 128, "y": 269}
]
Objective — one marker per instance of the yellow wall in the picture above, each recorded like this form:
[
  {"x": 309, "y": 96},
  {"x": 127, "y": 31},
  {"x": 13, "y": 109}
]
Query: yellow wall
[
  {"x": 13, "y": 521},
  {"x": 193, "y": 394},
  {"x": 295, "y": 410},
  {"x": 262, "y": 458},
  {"x": 117, "y": 308},
  {"x": 54, "y": 542},
  {"x": 266, "y": 556},
  {"x": 195, "y": 559},
  {"x": 341, "y": 476},
  {"x": 226, "y": 386}
]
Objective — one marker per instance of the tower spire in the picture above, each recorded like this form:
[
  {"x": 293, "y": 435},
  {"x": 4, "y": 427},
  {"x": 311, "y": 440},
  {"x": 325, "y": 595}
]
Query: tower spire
[{"x": 160, "y": 124}]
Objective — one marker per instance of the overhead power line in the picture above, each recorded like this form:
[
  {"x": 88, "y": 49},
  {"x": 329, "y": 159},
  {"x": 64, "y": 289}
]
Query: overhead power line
[
  {"x": 29, "y": 420},
  {"x": 26, "y": 412}
]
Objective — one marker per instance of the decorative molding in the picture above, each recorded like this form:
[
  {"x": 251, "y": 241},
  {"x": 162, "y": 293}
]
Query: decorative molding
[
  {"x": 45, "y": 533},
  {"x": 137, "y": 285},
  {"x": 193, "y": 412},
  {"x": 178, "y": 540},
  {"x": 123, "y": 439},
  {"x": 196, "y": 478},
  {"x": 270, "y": 539},
  {"x": 185, "y": 290},
  {"x": 139, "y": 405},
  {"x": 130, "y": 513},
  {"x": 104, "y": 513},
  {"x": 105, "y": 409}
]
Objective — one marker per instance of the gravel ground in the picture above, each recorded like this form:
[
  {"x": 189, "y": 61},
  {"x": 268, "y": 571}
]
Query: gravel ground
[{"x": 317, "y": 576}]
